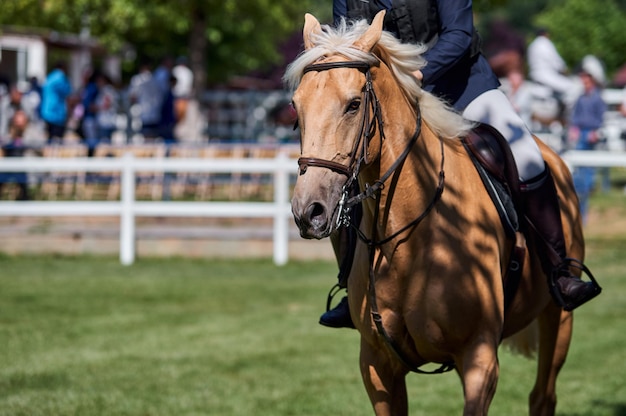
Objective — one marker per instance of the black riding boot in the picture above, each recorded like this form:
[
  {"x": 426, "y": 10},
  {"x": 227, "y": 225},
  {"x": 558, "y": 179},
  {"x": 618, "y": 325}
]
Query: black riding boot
[
  {"x": 344, "y": 245},
  {"x": 339, "y": 316},
  {"x": 543, "y": 213}
]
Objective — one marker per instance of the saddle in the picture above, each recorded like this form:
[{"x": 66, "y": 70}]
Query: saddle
[{"x": 492, "y": 157}]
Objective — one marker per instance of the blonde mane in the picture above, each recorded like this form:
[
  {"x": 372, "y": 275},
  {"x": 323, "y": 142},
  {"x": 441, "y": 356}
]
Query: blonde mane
[{"x": 402, "y": 59}]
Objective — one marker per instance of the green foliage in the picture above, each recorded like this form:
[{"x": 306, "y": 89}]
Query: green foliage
[
  {"x": 242, "y": 35},
  {"x": 581, "y": 27}
]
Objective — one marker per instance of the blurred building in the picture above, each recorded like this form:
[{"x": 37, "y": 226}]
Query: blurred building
[{"x": 30, "y": 52}]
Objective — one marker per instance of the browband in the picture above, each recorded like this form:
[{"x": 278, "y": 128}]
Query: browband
[{"x": 361, "y": 65}]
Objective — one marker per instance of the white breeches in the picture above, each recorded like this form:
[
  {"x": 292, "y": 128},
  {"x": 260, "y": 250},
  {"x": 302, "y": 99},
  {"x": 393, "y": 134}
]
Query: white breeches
[{"x": 494, "y": 108}]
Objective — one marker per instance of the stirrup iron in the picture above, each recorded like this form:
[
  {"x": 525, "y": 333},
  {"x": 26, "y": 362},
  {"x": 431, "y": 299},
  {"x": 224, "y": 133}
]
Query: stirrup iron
[
  {"x": 331, "y": 294},
  {"x": 556, "y": 293}
]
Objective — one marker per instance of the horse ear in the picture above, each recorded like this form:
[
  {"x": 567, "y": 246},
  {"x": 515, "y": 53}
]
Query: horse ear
[
  {"x": 372, "y": 35},
  {"x": 311, "y": 28}
]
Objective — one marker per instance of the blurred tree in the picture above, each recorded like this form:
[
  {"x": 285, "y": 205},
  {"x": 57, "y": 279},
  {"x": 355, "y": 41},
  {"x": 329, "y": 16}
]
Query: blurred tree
[
  {"x": 581, "y": 27},
  {"x": 221, "y": 37},
  {"x": 235, "y": 37},
  {"x": 578, "y": 27}
]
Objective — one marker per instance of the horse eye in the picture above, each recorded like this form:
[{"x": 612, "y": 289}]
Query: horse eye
[{"x": 353, "y": 106}]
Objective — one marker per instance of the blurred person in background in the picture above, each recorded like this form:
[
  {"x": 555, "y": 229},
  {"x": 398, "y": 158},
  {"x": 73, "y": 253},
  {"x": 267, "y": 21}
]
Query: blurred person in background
[
  {"x": 183, "y": 91},
  {"x": 163, "y": 72},
  {"x": 31, "y": 103},
  {"x": 585, "y": 123},
  {"x": 88, "y": 123},
  {"x": 54, "y": 109},
  {"x": 145, "y": 92},
  {"x": 107, "y": 107},
  {"x": 547, "y": 67},
  {"x": 13, "y": 146},
  {"x": 5, "y": 84},
  {"x": 168, "y": 115}
]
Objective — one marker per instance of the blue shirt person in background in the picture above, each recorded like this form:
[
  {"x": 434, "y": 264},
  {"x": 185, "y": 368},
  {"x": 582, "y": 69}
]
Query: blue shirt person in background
[
  {"x": 586, "y": 119},
  {"x": 88, "y": 125},
  {"x": 55, "y": 92}
]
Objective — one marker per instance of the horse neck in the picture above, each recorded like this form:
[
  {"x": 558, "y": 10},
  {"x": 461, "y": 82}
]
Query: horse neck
[
  {"x": 412, "y": 186},
  {"x": 400, "y": 119}
]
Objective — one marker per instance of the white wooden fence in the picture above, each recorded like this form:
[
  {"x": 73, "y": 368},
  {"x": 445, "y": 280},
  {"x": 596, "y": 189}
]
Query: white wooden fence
[{"x": 128, "y": 208}]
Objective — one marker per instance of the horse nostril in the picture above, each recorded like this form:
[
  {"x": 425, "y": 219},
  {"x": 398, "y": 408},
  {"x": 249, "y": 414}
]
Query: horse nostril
[{"x": 316, "y": 214}]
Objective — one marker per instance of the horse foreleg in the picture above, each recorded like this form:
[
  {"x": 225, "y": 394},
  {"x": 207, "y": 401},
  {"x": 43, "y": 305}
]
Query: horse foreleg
[
  {"x": 555, "y": 332},
  {"x": 385, "y": 384},
  {"x": 479, "y": 371}
]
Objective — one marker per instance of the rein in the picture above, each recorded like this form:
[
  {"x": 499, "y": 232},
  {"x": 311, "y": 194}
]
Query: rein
[
  {"x": 363, "y": 195},
  {"x": 367, "y": 131},
  {"x": 371, "y": 244}
]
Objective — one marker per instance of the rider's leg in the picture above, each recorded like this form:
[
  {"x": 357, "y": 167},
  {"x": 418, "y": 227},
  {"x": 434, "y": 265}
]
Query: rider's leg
[
  {"x": 540, "y": 199},
  {"x": 494, "y": 108}
]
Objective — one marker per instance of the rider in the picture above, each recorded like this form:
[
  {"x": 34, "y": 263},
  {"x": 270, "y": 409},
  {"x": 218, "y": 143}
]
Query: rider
[
  {"x": 547, "y": 67},
  {"x": 459, "y": 73}
]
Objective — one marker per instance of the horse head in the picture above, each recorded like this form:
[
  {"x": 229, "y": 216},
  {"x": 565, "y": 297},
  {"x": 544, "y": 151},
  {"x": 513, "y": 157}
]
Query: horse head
[{"x": 335, "y": 116}]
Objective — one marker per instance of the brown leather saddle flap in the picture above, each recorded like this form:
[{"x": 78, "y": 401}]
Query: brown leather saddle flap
[{"x": 493, "y": 153}]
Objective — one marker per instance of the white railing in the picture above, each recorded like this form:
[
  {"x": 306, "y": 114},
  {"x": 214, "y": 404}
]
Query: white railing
[
  {"x": 594, "y": 158},
  {"x": 128, "y": 208}
]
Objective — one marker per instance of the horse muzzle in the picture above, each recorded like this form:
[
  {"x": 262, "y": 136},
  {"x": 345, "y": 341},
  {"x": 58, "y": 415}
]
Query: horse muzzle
[
  {"x": 316, "y": 197},
  {"x": 313, "y": 218}
]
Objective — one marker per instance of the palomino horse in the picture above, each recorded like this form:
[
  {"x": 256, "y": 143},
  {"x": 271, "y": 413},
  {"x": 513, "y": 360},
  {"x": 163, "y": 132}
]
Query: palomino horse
[{"x": 426, "y": 285}]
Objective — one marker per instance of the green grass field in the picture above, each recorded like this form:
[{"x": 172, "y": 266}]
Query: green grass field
[{"x": 87, "y": 336}]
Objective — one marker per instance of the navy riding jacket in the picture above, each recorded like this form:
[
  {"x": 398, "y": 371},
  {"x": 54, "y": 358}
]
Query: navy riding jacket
[{"x": 451, "y": 72}]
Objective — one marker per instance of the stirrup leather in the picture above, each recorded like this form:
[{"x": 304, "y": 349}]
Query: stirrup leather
[{"x": 556, "y": 293}]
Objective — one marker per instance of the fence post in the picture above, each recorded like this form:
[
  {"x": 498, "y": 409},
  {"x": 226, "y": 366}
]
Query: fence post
[
  {"x": 127, "y": 215},
  {"x": 281, "y": 196}
]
